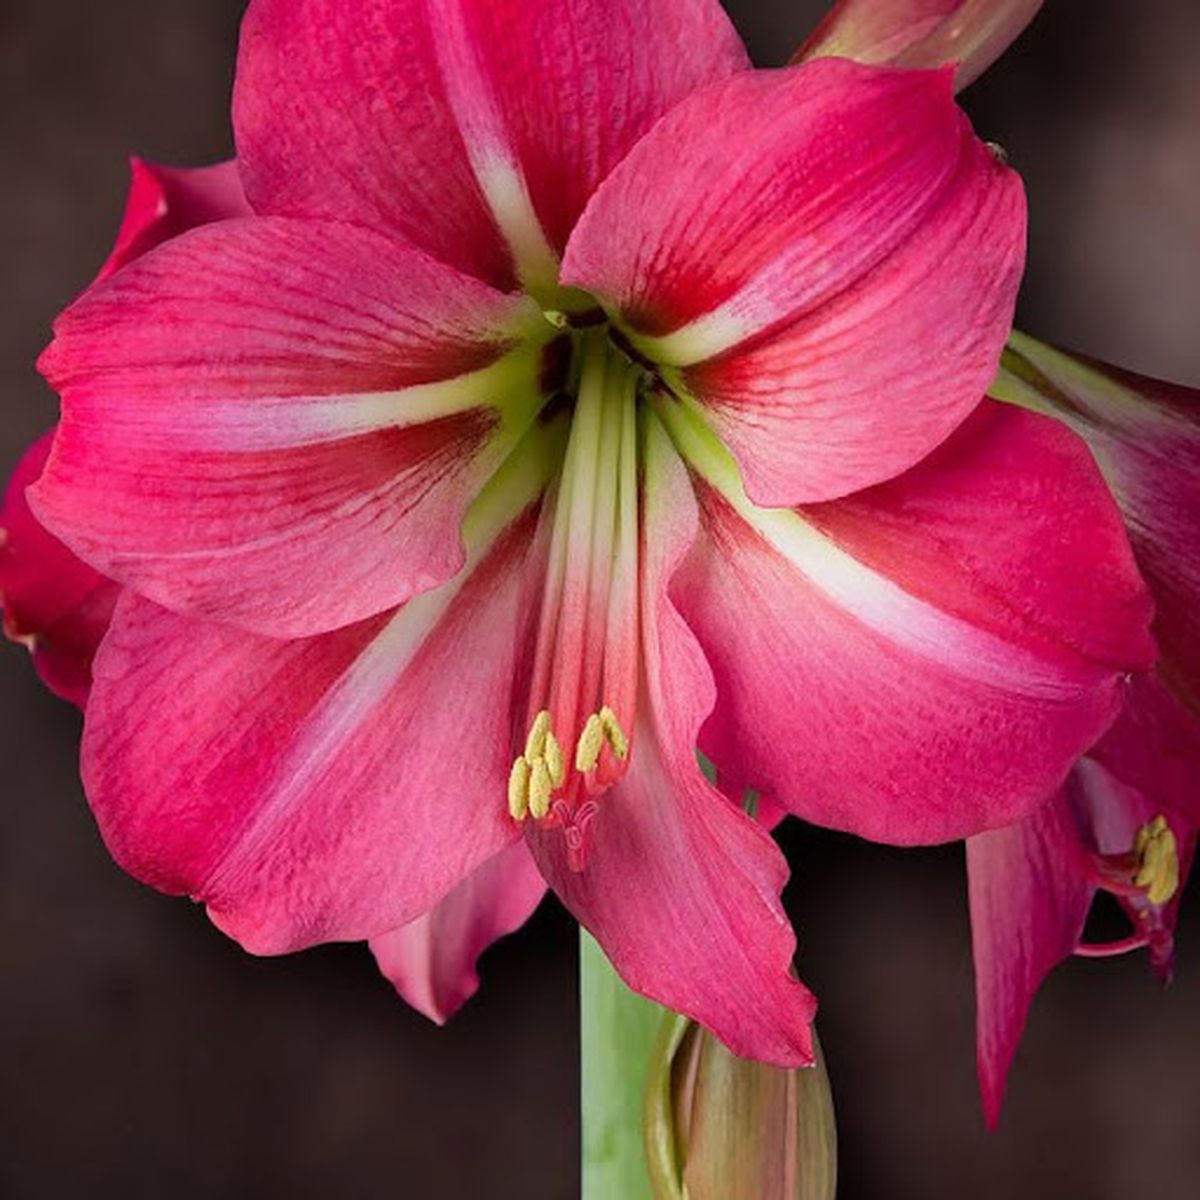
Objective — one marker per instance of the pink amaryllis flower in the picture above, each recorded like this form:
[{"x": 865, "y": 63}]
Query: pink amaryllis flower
[
  {"x": 1126, "y": 821},
  {"x": 574, "y": 395}
]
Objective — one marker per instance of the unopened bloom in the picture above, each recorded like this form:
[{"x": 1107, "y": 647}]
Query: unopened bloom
[
  {"x": 971, "y": 34},
  {"x": 574, "y": 395},
  {"x": 719, "y": 1127},
  {"x": 1127, "y": 818}
]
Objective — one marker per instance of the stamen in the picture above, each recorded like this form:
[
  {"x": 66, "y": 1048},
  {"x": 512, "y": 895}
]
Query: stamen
[
  {"x": 536, "y": 773},
  {"x": 555, "y": 762},
  {"x": 1135, "y": 941},
  {"x": 591, "y": 742},
  {"x": 614, "y": 734},
  {"x": 540, "y": 787},
  {"x": 536, "y": 741},
  {"x": 518, "y": 789},
  {"x": 1157, "y": 853}
]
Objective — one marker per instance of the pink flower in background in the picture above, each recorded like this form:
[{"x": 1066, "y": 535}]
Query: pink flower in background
[
  {"x": 1127, "y": 819},
  {"x": 574, "y": 395}
]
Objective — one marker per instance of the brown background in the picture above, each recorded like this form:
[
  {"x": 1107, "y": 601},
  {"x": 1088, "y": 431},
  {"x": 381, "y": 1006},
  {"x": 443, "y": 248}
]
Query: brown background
[{"x": 142, "y": 1055}]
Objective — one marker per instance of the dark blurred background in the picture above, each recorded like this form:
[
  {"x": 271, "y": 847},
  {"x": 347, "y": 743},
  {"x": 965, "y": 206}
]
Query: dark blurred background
[{"x": 143, "y": 1055}]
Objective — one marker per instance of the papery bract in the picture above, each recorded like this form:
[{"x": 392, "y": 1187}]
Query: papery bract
[{"x": 421, "y": 567}]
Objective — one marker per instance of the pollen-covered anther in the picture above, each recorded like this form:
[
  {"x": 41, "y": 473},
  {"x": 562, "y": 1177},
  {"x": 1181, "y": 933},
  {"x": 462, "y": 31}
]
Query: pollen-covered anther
[
  {"x": 613, "y": 733},
  {"x": 537, "y": 772},
  {"x": 591, "y": 742},
  {"x": 1157, "y": 854},
  {"x": 518, "y": 788},
  {"x": 601, "y": 728}
]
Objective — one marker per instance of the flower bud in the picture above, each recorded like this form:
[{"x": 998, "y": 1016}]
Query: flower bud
[
  {"x": 719, "y": 1127},
  {"x": 921, "y": 33}
]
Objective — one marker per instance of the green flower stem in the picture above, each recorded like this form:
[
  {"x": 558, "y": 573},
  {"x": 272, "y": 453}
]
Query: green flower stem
[{"x": 617, "y": 1033}]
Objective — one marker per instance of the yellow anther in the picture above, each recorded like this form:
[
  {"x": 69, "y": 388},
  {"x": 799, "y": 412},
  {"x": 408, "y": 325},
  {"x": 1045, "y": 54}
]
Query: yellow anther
[
  {"x": 1158, "y": 861},
  {"x": 536, "y": 741},
  {"x": 540, "y": 787},
  {"x": 555, "y": 763},
  {"x": 518, "y": 789},
  {"x": 591, "y": 742},
  {"x": 614, "y": 733}
]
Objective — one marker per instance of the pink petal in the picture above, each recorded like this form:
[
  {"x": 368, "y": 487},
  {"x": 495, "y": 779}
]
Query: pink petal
[
  {"x": 921, "y": 33},
  {"x": 253, "y": 429},
  {"x": 431, "y": 961},
  {"x": 330, "y": 788},
  {"x": 58, "y": 606},
  {"x": 830, "y": 257},
  {"x": 1145, "y": 435},
  {"x": 475, "y": 116},
  {"x": 1029, "y": 899},
  {"x": 680, "y": 887},
  {"x": 918, "y": 662},
  {"x": 164, "y": 202}
]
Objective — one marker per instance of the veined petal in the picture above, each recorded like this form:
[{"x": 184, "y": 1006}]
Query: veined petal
[
  {"x": 164, "y": 202},
  {"x": 328, "y": 788},
  {"x": 487, "y": 123},
  {"x": 1145, "y": 435},
  {"x": 1030, "y": 895},
  {"x": 58, "y": 606},
  {"x": 829, "y": 259},
  {"x": 431, "y": 961},
  {"x": 280, "y": 424},
  {"x": 919, "y": 661},
  {"x": 972, "y": 34},
  {"x": 680, "y": 887}
]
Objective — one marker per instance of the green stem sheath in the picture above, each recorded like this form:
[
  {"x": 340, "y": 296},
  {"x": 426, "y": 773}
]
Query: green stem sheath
[{"x": 617, "y": 1033}]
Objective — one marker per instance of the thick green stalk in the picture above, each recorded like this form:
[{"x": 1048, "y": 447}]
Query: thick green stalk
[{"x": 617, "y": 1031}]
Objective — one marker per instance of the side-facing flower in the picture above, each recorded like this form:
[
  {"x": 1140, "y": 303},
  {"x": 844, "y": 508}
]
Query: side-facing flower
[
  {"x": 1127, "y": 819},
  {"x": 574, "y": 395},
  {"x": 971, "y": 34}
]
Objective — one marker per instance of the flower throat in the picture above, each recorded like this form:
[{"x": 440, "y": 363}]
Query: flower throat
[{"x": 583, "y": 687}]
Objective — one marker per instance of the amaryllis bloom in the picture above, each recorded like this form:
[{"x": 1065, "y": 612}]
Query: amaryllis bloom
[
  {"x": 1127, "y": 819},
  {"x": 574, "y": 395},
  {"x": 971, "y": 34}
]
